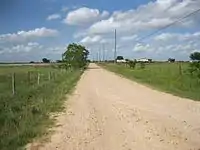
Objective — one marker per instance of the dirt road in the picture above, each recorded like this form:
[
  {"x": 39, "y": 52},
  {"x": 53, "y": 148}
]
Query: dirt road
[{"x": 108, "y": 112}]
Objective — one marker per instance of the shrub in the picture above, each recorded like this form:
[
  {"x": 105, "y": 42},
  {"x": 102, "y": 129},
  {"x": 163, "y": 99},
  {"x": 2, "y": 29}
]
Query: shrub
[
  {"x": 142, "y": 65},
  {"x": 194, "y": 67},
  {"x": 132, "y": 64}
]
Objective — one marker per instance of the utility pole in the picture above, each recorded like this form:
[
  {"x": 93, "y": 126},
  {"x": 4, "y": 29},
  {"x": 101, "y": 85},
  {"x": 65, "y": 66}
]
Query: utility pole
[
  {"x": 115, "y": 51},
  {"x": 99, "y": 54},
  {"x": 103, "y": 52},
  {"x": 93, "y": 59},
  {"x": 97, "y": 57}
]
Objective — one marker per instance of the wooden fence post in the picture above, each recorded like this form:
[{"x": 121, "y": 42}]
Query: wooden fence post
[
  {"x": 55, "y": 75},
  {"x": 49, "y": 76},
  {"x": 180, "y": 69},
  {"x": 29, "y": 77},
  {"x": 38, "y": 78},
  {"x": 13, "y": 84}
]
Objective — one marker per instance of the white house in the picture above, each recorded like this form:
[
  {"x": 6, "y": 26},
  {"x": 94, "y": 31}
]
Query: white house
[
  {"x": 143, "y": 60},
  {"x": 121, "y": 61}
]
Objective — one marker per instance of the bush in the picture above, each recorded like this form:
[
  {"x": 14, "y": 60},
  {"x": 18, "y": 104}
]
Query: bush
[
  {"x": 142, "y": 65},
  {"x": 194, "y": 69},
  {"x": 132, "y": 64}
]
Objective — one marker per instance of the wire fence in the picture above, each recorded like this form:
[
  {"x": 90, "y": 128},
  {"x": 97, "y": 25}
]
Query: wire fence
[{"x": 16, "y": 82}]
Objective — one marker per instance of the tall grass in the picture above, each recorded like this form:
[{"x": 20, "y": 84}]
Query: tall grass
[
  {"x": 170, "y": 77},
  {"x": 25, "y": 115}
]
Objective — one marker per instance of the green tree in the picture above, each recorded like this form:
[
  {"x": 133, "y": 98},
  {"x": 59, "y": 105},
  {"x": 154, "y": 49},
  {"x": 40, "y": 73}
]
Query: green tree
[
  {"x": 45, "y": 60},
  {"x": 195, "y": 56},
  {"x": 75, "y": 56},
  {"x": 119, "y": 58},
  {"x": 172, "y": 60},
  {"x": 194, "y": 67}
]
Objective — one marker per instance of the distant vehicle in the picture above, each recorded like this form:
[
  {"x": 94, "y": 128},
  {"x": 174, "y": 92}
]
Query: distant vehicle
[{"x": 120, "y": 59}]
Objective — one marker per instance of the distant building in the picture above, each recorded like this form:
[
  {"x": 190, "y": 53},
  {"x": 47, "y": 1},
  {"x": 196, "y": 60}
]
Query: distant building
[
  {"x": 191, "y": 61},
  {"x": 121, "y": 61},
  {"x": 144, "y": 60}
]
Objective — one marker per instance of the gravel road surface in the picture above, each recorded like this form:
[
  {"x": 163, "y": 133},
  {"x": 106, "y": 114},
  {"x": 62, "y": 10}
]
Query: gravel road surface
[{"x": 109, "y": 112}]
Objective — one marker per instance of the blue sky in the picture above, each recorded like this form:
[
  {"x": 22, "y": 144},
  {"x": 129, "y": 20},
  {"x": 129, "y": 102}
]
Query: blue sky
[{"x": 31, "y": 30}]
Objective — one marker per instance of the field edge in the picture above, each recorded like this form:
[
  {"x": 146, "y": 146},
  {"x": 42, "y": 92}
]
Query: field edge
[{"x": 153, "y": 87}]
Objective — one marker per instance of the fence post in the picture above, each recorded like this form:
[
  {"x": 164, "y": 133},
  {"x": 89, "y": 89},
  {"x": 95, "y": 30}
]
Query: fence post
[
  {"x": 180, "y": 69},
  {"x": 38, "y": 78},
  {"x": 28, "y": 77},
  {"x": 49, "y": 75},
  {"x": 13, "y": 84},
  {"x": 55, "y": 75}
]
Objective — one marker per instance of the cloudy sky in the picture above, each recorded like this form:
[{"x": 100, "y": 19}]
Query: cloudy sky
[{"x": 33, "y": 29}]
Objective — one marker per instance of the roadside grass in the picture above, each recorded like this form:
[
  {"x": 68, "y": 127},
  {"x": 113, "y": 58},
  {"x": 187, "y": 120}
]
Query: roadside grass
[
  {"x": 26, "y": 115},
  {"x": 168, "y": 77}
]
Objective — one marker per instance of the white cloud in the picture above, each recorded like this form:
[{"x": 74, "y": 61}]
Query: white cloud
[
  {"x": 96, "y": 40},
  {"x": 31, "y": 51},
  {"x": 91, "y": 40},
  {"x": 22, "y": 36},
  {"x": 80, "y": 34},
  {"x": 84, "y": 15},
  {"x": 177, "y": 45},
  {"x": 150, "y": 16},
  {"x": 105, "y": 14},
  {"x": 53, "y": 17},
  {"x": 141, "y": 47},
  {"x": 64, "y": 9},
  {"x": 57, "y": 50},
  {"x": 128, "y": 38},
  {"x": 97, "y": 27},
  {"x": 177, "y": 36},
  {"x": 22, "y": 48},
  {"x": 133, "y": 24}
]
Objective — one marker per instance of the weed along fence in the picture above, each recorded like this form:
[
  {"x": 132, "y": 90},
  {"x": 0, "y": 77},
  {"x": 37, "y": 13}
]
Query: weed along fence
[
  {"x": 27, "y": 96},
  {"x": 29, "y": 79},
  {"x": 16, "y": 82}
]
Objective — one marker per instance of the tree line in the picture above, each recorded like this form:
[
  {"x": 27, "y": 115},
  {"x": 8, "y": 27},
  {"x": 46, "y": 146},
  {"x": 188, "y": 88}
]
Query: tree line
[{"x": 76, "y": 56}]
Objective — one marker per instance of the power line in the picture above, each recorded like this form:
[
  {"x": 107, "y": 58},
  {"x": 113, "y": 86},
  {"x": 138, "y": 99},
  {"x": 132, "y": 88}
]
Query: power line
[{"x": 169, "y": 25}]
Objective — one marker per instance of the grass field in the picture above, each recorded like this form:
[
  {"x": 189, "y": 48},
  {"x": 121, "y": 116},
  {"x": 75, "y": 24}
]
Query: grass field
[
  {"x": 25, "y": 115},
  {"x": 168, "y": 77}
]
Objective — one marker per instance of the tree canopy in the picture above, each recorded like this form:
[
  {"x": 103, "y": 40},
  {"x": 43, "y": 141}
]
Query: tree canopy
[
  {"x": 45, "y": 60},
  {"x": 75, "y": 56},
  {"x": 119, "y": 58},
  {"x": 195, "y": 56},
  {"x": 195, "y": 65},
  {"x": 171, "y": 60}
]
